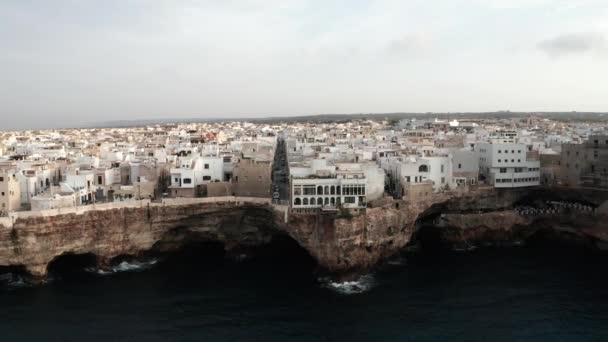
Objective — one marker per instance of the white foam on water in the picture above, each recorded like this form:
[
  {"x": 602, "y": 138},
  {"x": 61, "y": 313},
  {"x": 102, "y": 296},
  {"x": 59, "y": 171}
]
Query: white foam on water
[
  {"x": 360, "y": 285},
  {"x": 398, "y": 261},
  {"x": 13, "y": 281},
  {"x": 125, "y": 266}
]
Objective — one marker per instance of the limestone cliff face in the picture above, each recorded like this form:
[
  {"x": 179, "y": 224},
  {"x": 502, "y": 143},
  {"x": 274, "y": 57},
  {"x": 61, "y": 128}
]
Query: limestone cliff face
[
  {"x": 33, "y": 242},
  {"x": 338, "y": 243},
  {"x": 355, "y": 243},
  {"x": 462, "y": 231}
]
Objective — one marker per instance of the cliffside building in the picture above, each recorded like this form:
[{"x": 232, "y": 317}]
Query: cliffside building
[{"x": 585, "y": 164}]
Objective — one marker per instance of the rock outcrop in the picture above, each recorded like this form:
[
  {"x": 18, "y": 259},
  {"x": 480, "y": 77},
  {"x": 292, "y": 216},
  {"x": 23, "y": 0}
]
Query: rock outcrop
[{"x": 339, "y": 243}]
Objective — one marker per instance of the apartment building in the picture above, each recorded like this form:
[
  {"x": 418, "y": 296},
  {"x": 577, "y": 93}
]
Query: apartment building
[
  {"x": 585, "y": 164},
  {"x": 507, "y": 164},
  {"x": 10, "y": 192}
]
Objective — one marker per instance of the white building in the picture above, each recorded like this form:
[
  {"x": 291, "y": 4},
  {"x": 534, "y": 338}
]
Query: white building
[
  {"x": 440, "y": 172},
  {"x": 321, "y": 185},
  {"x": 52, "y": 200},
  {"x": 506, "y": 165}
]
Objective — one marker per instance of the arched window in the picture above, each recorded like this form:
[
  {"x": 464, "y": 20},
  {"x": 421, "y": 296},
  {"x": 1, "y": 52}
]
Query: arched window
[
  {"x": 305, "y": 202},
  {"x": 326, "y": 190},
  {"x": 333, "y": 190},
  {"x": 298, "y": 201},
  {"x": 319, "y": 190},
  {"x": 423, "y": 168},
  {"x": 333, "y": 201},
  {"x": 320, "y": 201},
  {"x": 338, "y": 190},
  {"x": 326, "y": 200},
  {"x": 312, "y": 201}
]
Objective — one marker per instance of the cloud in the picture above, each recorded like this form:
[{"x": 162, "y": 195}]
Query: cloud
[
  {"x": 409, "y": 44},
  {"x": 574, "y": 43}
]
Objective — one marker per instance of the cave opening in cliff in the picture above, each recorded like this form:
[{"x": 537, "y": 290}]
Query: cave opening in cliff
[
  {"x": 10, "y": 274},
  {"x": 284, "y": 252},
  {"x": 562, "y": 241},
  {"x": 70, "y": 264},
  {"x": 196, "y": 255}
]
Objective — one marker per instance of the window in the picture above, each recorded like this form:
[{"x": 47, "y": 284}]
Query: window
[
  {"x": 206, "y": 166},
  {"x": 298, "y": 201},
  {"x": 187, "y": 181},
  {"x": 499, "y": 160},
  {"x": 226, "y": 159},
  {"x": 2, "y": 193},
  {"x": 442, "y": 169},
  {"x": 309, "y": 190},
  {"x": 176, "y": 180},
  {"x": 460, "y": 166},
  {"x": 305, "y": 201},
  {"x": 519, "y": 160},
  {"x": 206, "y": 178},
  {"x": 1, "y": 179},
  {"x": 499, "y": 151},
  {"x": 442, "y": 180},
  {"x": 518, "y": 151},
  {"x": 512, "y": 160},
  {"x": 349, "y": 199},
  {"x": 503, "y": 170},
  {"x": 512, "y": 151},
  {"x": 423, "y": 168}
]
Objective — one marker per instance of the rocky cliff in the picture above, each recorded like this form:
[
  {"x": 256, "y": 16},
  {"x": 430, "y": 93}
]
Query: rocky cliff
[{"x": 339, "y": 243}]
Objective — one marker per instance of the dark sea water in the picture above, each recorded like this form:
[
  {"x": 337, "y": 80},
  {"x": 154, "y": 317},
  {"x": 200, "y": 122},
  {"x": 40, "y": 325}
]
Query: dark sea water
[{"x": 515, "y": 294}]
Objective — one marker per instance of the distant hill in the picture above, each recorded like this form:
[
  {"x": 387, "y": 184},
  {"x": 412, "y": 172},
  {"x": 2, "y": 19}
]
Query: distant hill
[{"x": 561, "y": 116}]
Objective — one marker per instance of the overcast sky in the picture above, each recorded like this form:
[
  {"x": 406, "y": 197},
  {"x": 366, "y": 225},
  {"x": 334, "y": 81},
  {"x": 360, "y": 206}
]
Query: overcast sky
[{"x": 74, "y": 62}]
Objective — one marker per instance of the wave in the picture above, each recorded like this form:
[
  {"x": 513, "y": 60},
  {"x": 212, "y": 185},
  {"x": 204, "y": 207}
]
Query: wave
[
  {"x": 396, "y": 261},
  {"x": 360, "y": 285},
  {"x": 125, "y": 266},
  {"x": 13, "y": 281}
]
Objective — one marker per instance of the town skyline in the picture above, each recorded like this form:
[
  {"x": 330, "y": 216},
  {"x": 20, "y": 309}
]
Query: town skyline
[{"x": 71, "y": 64}]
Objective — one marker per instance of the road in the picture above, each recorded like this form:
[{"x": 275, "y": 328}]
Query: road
[{"x": 280, "y": 173}]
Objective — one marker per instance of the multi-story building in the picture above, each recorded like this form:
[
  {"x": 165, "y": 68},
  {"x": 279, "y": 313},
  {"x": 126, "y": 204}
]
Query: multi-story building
[
  {"x": 10, "y": 192},
  {"x": 585, "y": 164},
  {"x": 507, "y": 165},
  {"x": 347, "y": 190}
]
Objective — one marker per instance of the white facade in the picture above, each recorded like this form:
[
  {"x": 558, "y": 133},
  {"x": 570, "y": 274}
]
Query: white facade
[
  {"x": 440, "y": 172},
  {"x": 505, "y": 165},
  {"x": 56, "y": 201},
  {"x": 308, "y": 193}
]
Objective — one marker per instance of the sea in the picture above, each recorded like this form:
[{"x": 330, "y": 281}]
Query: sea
[{"x": 199, "y": 294}]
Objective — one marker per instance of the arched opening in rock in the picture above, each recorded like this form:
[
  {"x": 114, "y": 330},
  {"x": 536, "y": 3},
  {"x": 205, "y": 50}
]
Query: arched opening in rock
[
  {"x": 70, "y": 264},
  {"x": 12, "y": 274},
  {"x": 284, "y": 252},
  {"x": 188, "y": 251},
  {"x": 559, "y": 240}
]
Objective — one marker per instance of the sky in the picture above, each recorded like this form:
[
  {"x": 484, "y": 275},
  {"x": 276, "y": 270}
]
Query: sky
[{"x": 75, "y": 62}]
